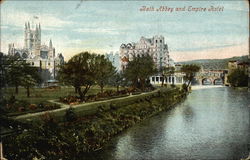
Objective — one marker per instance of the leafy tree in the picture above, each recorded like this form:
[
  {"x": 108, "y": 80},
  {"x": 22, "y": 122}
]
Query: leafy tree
[
  {"x": 139, "y": 69},
  {"x": 3, "y": 80},
  {"x": 117, "y": 80},
  {"x": 29, "y": 81},
  {"x": 104, "y": 70},
  {"x": 238, "y": 78},
  {"x": 189, "y": 70},
  {"x": 80, "y": 72},
  {"x": 14, "y": 69},
  {"x": 21, "y": 73},
  {"x": 167, "y": 71}
]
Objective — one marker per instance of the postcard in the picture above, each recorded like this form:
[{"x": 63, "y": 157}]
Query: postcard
[{"x": 124, "y": 80}]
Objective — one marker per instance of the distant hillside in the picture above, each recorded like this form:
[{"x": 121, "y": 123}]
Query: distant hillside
[{"x": 215, "y": 63}]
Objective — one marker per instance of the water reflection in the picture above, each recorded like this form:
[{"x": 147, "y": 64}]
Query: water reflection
[{"x": 211, "y": 124}]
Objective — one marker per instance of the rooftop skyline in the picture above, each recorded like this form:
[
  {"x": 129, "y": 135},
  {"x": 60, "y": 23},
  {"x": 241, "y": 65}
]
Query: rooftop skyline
[{"x": 101, "y": 27}]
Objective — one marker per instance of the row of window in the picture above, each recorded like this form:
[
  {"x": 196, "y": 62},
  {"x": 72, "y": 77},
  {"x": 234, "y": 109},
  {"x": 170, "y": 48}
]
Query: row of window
[{"x": 32, "y": 63}]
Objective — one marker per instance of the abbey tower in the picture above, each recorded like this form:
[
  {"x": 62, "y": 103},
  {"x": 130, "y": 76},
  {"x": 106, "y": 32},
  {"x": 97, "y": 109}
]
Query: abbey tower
[
  {"x": 32, "y": 39},
  {"x": 37, "y": 54}
]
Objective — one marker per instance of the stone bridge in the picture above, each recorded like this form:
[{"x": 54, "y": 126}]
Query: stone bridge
[{"x": 210, "y": 77}]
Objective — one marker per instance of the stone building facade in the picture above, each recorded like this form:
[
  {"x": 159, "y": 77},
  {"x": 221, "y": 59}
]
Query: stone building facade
[
  {"x": 155, "y": 46},
  {"x": 42, "y": 56},
  {"x": 158, "y": 49}
]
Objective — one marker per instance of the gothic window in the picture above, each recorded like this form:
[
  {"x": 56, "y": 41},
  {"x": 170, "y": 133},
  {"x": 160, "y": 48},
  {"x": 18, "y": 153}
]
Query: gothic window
[
  {"x": 25, "y": 55},
  {"x": 17, "y": 54},
  {"x": 160, "y": 41},
  {"x": 155, "y": 41}
]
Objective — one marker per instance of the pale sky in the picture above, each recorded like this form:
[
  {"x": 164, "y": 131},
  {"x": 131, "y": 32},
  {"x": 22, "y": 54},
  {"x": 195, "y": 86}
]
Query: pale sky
[{"x": 100, "y": 27}]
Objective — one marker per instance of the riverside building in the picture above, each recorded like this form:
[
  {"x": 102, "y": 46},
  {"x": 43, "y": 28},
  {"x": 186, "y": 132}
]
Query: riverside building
[{"x": 155, "y": 47}]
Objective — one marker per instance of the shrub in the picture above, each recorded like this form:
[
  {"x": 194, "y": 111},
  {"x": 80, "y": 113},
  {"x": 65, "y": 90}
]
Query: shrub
[
  {"x": 69, "y": 99},
  {"x": 32, "y": 106},
  {"x": 70, "y": 115}
]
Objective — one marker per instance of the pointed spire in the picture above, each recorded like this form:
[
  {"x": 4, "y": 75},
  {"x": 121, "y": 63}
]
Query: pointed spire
[
  {"x": 50, "y": 44},
  {"x": 28, "y": 25},
  {"x": 39, "y": 26},
  {"x": 25, "y": 25}
]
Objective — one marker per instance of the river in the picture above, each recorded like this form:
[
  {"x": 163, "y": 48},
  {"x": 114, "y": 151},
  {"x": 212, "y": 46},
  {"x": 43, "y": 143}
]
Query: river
[{"x": 212, "y": 123}]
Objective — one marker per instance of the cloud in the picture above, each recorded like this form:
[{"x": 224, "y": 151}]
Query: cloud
[
  {"x": 4, "y": 27},
  {"x": 97, "y": 30},
  {"x": 18, "y": 19}
]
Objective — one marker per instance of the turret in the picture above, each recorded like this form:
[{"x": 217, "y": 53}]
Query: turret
[
  {"x": 28, "y": 25},
  {"x": 50, "y": 44}
]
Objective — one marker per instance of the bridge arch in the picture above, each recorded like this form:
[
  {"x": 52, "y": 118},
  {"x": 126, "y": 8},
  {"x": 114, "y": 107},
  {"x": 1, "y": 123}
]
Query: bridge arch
[
  {"x": 206, "y": 81},
  {"x": 218, "y": 81}
]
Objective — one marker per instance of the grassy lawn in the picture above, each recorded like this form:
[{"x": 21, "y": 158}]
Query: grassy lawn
[{"x": 38, "y": 95}]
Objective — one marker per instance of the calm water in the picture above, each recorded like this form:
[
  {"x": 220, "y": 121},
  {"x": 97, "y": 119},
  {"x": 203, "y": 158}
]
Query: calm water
[{"x": 212, "y": 123}]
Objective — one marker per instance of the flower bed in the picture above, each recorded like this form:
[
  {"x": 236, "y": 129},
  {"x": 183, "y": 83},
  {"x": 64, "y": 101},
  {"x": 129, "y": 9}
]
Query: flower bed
[
  {"x": 108, "y": 94},
  {"x": 15, "y": 107}
]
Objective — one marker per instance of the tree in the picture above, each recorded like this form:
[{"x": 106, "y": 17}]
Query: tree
[
  {"x": 3, "y": 66},
  {"x": 238, "y": 78},
  {"x": 189, "y": 70},
  {"x": 21, "y": 73},
  {"x": 29, "y": 80},
  {"x": 167, "y": 71},
  {"x": 14, "y": 69},
  {"x": 116, "y": 80},
  {"x": 139, "y": 69},
  {"x": 30, "y": 77},
  {"x": 104, "y": 70},
  {"x": 80, "y": 72}
]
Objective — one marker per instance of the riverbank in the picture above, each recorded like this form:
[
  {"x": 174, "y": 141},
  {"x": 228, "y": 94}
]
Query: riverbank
[
  {"x": 210, "y": 124},
  {"x": 88, "y": 133}
]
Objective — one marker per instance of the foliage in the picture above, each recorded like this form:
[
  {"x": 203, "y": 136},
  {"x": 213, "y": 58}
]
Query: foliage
[
  {"x": 79, "y": 71},
  {"x": 21, "y": 73},
  {"x": 13, "y": 106},
  {"x": 117, "y": 80},
  {"x": 69, "y": 99},
  {"x": 139, "y": 69},
  {"x": 238, "y": 78},
  {"x": 70, "y": 115},
  {"x": 189, "y": 70},
  {"x": 50, "y": 140},
  {"x": 167, "y": 71},
  {"x": 30, "y": 78},
  {"x": 3, "y": 66},
  {"x": 104, "y": 70},
  {"x": 108, "y": 94}
]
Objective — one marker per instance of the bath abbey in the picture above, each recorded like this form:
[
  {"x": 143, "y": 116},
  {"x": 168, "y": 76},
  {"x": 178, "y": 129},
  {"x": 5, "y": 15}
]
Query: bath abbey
[{"x": 42, "y": 56}]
